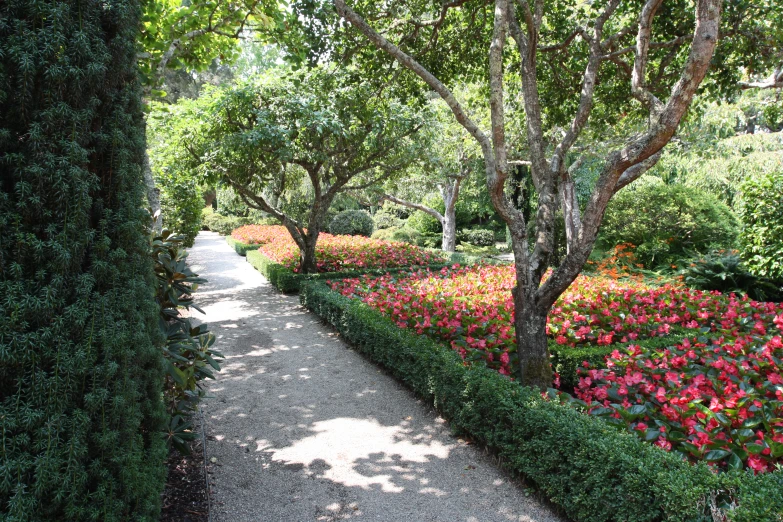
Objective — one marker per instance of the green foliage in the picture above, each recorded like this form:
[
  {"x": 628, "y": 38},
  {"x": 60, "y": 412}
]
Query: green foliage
[
  {"x": 477, "y": 237},
  {"x": 761, "y": 213},
  {"x": 665, "y": 222},
  {"x": 188, "y": 355},
  {"x": 426, "y": 224},
  {"x": 385, "y": 218},
  {"x": 352, "y": 223},
  {"x": 401, "y": 234},
  {"x": 181, "y": 196},
  {"x": 239, "y": 247},
  {"x": 190, "y": 35},
  {"x": 224, "y": 225},
  {"x": 592, "y": 471},
  {"x": 723, "y": 270},
  {"x": 181, "y": 203},
  {"x": 474, "y": 250},
  {"x": 81, "y": 414},
  {"x": 720, "y": 166}
]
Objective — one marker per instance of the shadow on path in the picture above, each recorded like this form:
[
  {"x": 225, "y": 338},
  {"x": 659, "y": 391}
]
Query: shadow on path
[{"x": 302, "y": 428}]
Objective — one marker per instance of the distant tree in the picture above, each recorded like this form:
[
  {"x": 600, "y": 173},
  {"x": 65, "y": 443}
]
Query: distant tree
[
  {"x": 580, "y": 69},
  {"x": 448, "y": 160},
  {"x": 261, "y": 136}
]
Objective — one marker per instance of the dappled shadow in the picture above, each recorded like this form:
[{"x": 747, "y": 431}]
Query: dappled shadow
[{"x": 301, "y": 428}]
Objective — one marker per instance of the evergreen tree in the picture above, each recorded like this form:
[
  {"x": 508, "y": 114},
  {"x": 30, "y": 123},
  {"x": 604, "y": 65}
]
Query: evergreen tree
[{"x": 80, "y": 367}]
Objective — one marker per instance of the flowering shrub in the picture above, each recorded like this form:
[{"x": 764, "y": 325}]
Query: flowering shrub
[
  {"x": 471, "y": 309},
  {"x": 335, "y": 253},
  {"x": 261, "y": 234}
]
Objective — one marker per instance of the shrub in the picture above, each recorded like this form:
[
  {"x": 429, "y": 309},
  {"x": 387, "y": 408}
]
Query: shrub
[
  {"x": 352, "y": 223},
  {"x": 224, "y": 225},
  {"x": 478, "y": 237},
  {"x": 761, "y": 213},
  {"x": 187, "y": 354},
  {"x": 81, "y": 413},
  {"x": 384, "y": 218},
  {"x": 723, "y": 270},
  {"x": 403, "y": 235},
  {"x": 665, "y": 222},
  {"x": 181, "y": 205}
]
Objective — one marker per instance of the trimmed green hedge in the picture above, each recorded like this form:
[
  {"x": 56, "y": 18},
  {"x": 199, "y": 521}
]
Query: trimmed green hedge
[
  {"x": 289, "y": 282},
  {"x": 566, "y": 360},
  {"x": 588, "y": 468},
  {"x": 241, "y": 248}
]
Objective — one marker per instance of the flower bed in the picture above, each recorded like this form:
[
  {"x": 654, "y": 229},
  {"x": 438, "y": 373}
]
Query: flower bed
[
  {"x": 717, "y": 398},
  {"x": 471, "y": 310},
  {"x": 260, "y": 234},
  {"x": 333, "y": 253}
]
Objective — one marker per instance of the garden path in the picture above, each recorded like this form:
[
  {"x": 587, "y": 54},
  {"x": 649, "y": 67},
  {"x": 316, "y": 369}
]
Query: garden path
[{"x": 301, "y": 428}]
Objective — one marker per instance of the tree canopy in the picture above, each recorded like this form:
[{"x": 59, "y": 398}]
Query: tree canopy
[{"x": 268, "y": 135}]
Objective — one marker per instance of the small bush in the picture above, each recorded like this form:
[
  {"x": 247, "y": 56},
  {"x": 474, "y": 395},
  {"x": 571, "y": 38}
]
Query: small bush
[
  {"x": 474, "y": 250},
  {"x": 478, "y": 237},
  {"x": 723, "y": 270},
  {"x": 352, "y": 223},
  {"x": 187, "y": 355},
  {"x": 761, "y": 213},
  {"x": 665, "y": 222},
  {"x": 403, "y": 235},
  {"x": 180, "y": 201},
  {"x": 386, "y": 219},
  {"x": 224, "y": 225}
]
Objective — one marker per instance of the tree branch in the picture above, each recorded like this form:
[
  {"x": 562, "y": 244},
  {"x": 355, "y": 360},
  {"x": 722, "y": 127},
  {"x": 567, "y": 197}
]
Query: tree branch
[
  {"x": 427, "y": 210},
  {"x": 638, "y": 80},
  {"x": 408, "y": 62}
]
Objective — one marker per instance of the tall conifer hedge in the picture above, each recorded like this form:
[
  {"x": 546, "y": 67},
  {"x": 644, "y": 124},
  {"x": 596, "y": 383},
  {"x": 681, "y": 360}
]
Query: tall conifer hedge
[{"x": 80, "y": 366}]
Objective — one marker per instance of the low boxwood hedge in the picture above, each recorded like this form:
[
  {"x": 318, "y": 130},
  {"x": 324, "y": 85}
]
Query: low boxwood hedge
[
  {"x": 588, "y": 468},
  {"x": 289, "y": 282},
  {"x": 241, "y": 248}
]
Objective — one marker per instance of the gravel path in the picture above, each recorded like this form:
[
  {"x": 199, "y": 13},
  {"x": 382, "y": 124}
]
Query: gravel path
[{"x": 302, "y": 428}]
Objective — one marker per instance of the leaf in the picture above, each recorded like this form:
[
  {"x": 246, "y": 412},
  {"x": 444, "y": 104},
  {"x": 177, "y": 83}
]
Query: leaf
[{"x": 716, "y": 455}]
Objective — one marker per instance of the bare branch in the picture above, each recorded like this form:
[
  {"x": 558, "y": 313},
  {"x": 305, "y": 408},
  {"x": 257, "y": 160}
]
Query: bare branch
[
  {"x": 775, "y": 81},
  {"x": 662, "y": 128},
  {"x": 588, "y": 89},
  {"x": 638, "y": 81},
  {"x": 564, "y": 44},
  {"x": 427, "y": 210}
]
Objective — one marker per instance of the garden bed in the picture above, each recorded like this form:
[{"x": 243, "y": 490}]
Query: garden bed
[
  {"x": 644, "y": 357},
  {"x": 272, "y": 252},
  {"x": 289, "y": 282},
  {"x": 593, "y": 471}
]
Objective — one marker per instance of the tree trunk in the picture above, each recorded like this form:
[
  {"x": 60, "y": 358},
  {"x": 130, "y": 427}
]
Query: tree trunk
[
  {"x": 449, "y": 224},
  {"x": 530, "y": 324},
  {"x": 529, "y": 320},
  {"x": 307, "y": 262},
  {"x": 153, "y": 194}
]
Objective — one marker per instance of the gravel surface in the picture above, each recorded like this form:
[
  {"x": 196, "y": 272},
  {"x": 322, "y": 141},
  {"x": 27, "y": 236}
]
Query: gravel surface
[{"x": 302, "y": 428}]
